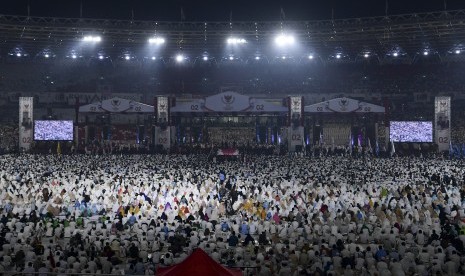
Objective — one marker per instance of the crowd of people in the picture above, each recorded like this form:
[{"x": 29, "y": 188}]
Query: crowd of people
[
  {"x": 270, "y": 215},
  {"x": 8, "y": 138}
]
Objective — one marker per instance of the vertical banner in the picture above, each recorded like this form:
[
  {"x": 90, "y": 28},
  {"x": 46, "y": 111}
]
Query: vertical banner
[
  {"x": 296, "y": 111},
  {"x": 162, "y": 110},
  {"x": 296, "y": 130},
  {"x": 296, "y": 137},
  {"x": 25, "y": 123},
  {"x": 163, "y": 137},
  {"x": 442, "y": 122}
]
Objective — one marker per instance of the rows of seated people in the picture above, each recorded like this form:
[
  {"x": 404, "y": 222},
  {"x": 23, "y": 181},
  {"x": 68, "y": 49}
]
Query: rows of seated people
[{"x": 276, "y": 215}]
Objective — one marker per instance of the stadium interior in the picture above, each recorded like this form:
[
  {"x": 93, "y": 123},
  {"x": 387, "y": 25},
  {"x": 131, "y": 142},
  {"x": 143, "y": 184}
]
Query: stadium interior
[{"x": 319, "y": 147}]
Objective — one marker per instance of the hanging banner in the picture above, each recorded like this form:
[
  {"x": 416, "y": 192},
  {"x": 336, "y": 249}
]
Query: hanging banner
[
  {"x": 296, "y": 111},
  {"x": 162, "y": 109},
  {"x": 163, "y": 137},
  {"x": 442, "y": 122},
  {"x": 295, "y": 137},
  {"x": 25, "y": 122}
]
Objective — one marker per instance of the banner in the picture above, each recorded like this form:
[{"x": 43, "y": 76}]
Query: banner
[
  {"x": 296, "y": 111},
  {"x": 228, "y": 102},
  {"x": 442, "y": 122},
  {"x": 25, "y": 122},
  {"x": 344, "y": 105},
  {"x": 296, "y": 137},
  {"x": 163, "y": 137},
  {"x": 162, "y": 109},
  {"x": 116, "y": 105}
]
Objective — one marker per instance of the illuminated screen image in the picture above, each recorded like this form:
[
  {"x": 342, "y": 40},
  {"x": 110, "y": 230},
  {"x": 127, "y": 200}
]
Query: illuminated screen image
[
  {"x": 416, "y": 131},
  {"x": 53, "y": 130}
]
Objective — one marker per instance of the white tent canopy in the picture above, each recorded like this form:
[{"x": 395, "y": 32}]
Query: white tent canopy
[
  {"x": 117, "y": 105},
  {"x": 343, "y": 105}
]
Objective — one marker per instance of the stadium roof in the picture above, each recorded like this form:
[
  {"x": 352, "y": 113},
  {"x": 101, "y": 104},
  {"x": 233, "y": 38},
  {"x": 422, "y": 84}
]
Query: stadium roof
[{"x": 435, "y": 31}]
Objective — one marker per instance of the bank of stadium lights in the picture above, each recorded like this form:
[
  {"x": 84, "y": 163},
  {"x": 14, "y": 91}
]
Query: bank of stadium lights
[
  {"x": 236, "y": 41},
  {"x": 91, "y": 38},
  {"x": 17, "y": 52},
  {"x": 284, "y": 40},
  {"x": 73, "y": 54},
  {"x": 156, "y": 40},
  {"x": 180, "y": 58}
]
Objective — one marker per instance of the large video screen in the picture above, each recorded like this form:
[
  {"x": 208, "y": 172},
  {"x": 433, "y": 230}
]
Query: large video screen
[
  {"x": 52, "y": 130},
  {"x": 416, "y": 131}
]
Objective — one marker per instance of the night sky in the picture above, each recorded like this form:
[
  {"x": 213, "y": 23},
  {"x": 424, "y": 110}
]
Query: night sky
[{"x": 220, "y": 10}]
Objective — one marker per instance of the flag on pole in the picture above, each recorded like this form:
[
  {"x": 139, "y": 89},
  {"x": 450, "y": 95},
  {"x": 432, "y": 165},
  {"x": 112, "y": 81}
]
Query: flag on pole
[
  {"x": 377, "y": 148},
  {"x": 393, "y": 149},
  {"x": 350, "y": 142}
]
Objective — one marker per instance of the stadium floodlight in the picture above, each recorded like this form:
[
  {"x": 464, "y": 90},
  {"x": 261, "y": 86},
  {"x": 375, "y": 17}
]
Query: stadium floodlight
[
  {"x": 157, "y": 40},
  {"x": 284, "y": 40},
  {"x": 457, "y": 51},
  {"x": 90, "y": 38},
  {"x": 18, "y": 54},
  {"x": 231, "y": 58},
  {"x": 366, "y": 55},
  {"x": 127, "y": 57},
  {"x": 257, "y": 58},
  {"x": 395, "y": 54},
  {"x": 425, "y": 53},
  {"x": 338, "y": 56},
  {"x": 283, "y": 57},
  {"x": 205, "y": 58},
  {"x": 179, "y": 58},
  {"x": 310, "y": 56},
  {"x": 74, "y": 56},
  {"x": 236, "y": 41},
  {"x": 46, "y": 55},
  {"x": 101, "y": 57},
  {"x": 154, "y": 58}
]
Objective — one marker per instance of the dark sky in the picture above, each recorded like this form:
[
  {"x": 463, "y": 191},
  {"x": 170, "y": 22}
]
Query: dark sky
[{"x": 219, "y": 10}]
